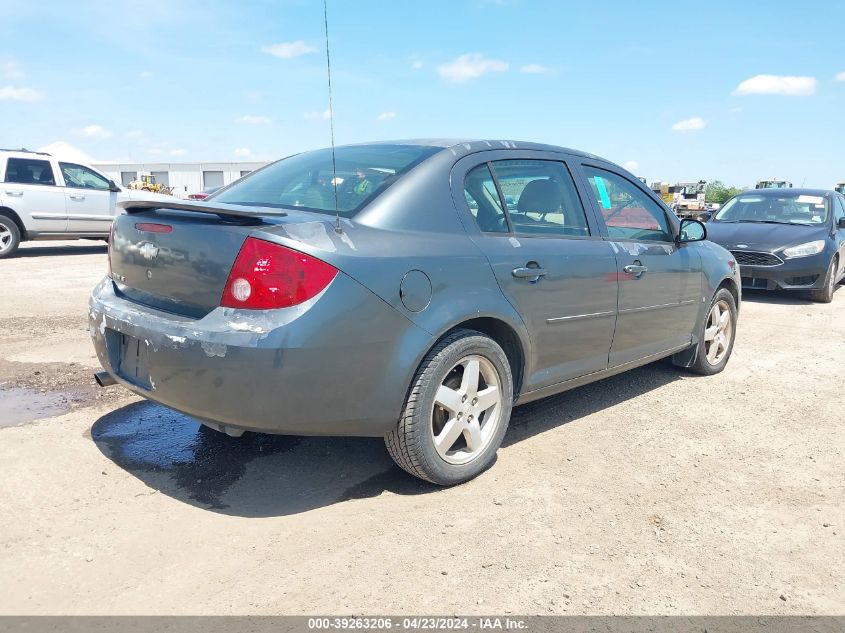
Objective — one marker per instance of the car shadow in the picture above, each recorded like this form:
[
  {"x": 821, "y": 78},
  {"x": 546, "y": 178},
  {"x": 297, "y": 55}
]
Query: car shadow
[
  {"x": 259, "y": 475},
  {"x": 52, "y": 251},
  {"x": 779, "y": 297}
]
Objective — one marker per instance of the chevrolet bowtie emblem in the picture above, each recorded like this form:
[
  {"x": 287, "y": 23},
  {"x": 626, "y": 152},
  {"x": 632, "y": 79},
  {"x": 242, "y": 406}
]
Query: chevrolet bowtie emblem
[{"x": 149, "y": 251}]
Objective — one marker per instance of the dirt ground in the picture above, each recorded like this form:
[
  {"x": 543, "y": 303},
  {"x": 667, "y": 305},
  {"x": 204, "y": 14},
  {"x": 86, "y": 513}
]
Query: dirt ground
[{"x": 653, "y": 492}]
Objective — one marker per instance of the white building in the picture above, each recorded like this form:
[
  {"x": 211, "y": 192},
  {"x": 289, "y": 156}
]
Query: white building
[{"x": 185, "y": 178}]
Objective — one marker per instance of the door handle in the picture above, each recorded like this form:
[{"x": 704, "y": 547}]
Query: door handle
[
  {"x": 526, "y": 272},
  {"x": 77, "y": 197},
  {"x": 635, "y": 269},
  {"x": 16, "y": 194}
]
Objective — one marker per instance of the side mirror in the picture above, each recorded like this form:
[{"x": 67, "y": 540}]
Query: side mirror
[
  {"x": 841, "y": 223},
  {"x": 704, "y": 216},
  {"x": 691, "y": 231},
  {"x": 113, "y": 186}
]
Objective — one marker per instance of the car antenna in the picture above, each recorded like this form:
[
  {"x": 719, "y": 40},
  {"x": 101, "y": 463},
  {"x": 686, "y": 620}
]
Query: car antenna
[{"x": 337, "y": 228}]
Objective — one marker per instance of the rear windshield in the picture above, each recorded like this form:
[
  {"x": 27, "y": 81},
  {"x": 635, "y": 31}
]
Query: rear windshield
[
  {"x": 305, "y": 182},
  {"x": 786, "y": 209}
]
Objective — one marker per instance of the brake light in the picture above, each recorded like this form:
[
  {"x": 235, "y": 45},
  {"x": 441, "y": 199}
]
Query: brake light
[
  {"x": 267, "y": 276},
  {"x": 152, "y": 227}
]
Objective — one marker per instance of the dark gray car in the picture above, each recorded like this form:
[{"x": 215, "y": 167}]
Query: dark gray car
[
  {"x": 413, "y": 290},
  {"x": 785, "y": 239}
]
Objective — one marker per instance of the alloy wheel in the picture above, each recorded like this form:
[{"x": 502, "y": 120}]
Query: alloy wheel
[
  {"x": 467, "y": 410},
  {"x": 718, "y": 333},
  {"x": 5, "y": 238}
]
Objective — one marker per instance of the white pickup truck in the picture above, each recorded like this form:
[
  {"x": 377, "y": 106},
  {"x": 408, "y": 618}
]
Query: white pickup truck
[{"x": 46, "y": 198}]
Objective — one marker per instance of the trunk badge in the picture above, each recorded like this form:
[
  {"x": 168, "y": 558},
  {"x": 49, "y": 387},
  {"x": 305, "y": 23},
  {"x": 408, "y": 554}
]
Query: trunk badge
[
  {"x": 149, "y": 274},
  {"x": 149, "y": 251}
]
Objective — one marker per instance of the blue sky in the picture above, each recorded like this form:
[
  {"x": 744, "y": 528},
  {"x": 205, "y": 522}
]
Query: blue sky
[{"x": 752, "y": 90}]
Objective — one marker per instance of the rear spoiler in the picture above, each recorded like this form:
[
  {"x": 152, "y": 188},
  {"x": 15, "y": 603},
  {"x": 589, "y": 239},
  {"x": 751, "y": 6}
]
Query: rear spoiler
[{"x": 221, "y": 209}]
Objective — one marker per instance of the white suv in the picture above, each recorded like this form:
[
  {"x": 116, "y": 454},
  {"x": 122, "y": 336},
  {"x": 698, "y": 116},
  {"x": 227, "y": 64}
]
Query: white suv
[{"x": 43, "y": 198}]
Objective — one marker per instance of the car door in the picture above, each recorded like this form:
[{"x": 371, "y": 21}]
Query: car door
[
  {"x": 89, "y": 202},
  {"x": 523, "y": 211},
  {"x": 660, "y": 280},
  {"x": 29, "y": 188},
  {"x": 839, "y": 231}
]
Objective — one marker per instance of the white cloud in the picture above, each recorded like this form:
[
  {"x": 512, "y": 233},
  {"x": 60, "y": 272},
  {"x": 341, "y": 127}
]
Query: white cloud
[
  {"x": 134, "y": 134},
  {"x": 536, "y": 69},
  {"x": 840, "y": 76},
  {"x": 386, "y": 116},
  {"x": 11, "y": 93},
  {"x": 178, "y": 152},
  {"x": 417, "y": 65},
  {"x": 147, "y": 74},
  {"x": 252, "y": 119},
  {"x": 93, "y": 131},
  {"x": 11, "y": 69},
  {"x": 243, "y": 152},
  {"x": 688, "y": 125},
  {"x": 286, "y": 50},
  {"x": 470, "y": 66},
  {"x": 777, "y": 85},
  {"x": 313, "y": 116},
  {"x": 631, "y": 165}
]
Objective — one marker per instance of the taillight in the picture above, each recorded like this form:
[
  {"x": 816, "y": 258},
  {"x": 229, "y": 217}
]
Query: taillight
[{"x": 267, "y": 276}]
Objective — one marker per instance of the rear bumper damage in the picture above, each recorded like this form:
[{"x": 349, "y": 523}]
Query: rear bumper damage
[{"x": 313, "y": 369}]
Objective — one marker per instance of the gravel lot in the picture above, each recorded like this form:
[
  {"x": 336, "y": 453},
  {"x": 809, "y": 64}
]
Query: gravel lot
[{"x": 653, "y": 492}]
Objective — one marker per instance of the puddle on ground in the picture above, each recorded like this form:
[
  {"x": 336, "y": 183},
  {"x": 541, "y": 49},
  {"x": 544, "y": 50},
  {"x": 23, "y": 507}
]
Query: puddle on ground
[
  {"x": 18, "y": 406},
  {"x": 150, "y": 437}
]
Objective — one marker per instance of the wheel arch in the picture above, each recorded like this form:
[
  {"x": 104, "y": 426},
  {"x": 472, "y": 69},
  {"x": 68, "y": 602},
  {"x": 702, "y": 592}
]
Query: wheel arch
[
  {"x": 730, "y": 284},
  {"x": 506, "y": 336},
  {"x": 9, "y": 213}
]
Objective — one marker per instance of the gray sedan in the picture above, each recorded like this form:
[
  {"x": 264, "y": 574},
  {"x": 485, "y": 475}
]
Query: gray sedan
[{"x": 413, "y": 290}]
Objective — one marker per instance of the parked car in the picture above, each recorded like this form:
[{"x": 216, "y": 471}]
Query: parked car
[
  {"x": 202, "y": 195},
  {"x": 401, "y": 309},
  {"x": 789, "y": 239},
  {"x": 46, "y": 198}
]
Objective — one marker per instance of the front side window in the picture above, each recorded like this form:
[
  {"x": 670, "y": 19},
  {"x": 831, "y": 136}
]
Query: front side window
[
  {"x": 541, "y": 197},
  {"x": 627, "y": 211},
  {"x": 793, "y": 208},
  {"x": 839, "y": 211},
  {"x": 483, "y": 200},
  {"x": 28, "y": 171},
  {"x": 79, "y": 177},
  {"x": 308, "y": 181}
]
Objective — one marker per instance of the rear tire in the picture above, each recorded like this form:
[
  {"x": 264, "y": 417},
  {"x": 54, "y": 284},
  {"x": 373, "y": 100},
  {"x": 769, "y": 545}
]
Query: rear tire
[
  {"x": 825, "y": 294},
  {"x": 10, "y": 236},
  {"x": 457, "y": 410},
  {"x": 716, "y": 340}
]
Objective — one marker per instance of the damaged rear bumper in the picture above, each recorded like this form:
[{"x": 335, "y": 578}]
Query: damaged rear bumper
[{"x": 307, "y": 370}]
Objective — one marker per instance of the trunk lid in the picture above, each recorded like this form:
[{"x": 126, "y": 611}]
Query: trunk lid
[{"x": 178, "y": 258}]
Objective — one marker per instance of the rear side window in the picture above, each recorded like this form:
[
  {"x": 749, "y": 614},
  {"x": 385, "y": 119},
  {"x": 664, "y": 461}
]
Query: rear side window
[
  {"x": 28, "y": 171},
  {"x": 307, "y": 181},
  {"x": 483, "y": 200},
  {"x": 541, "y": 197},
  {"x": 627, "y": 211}
]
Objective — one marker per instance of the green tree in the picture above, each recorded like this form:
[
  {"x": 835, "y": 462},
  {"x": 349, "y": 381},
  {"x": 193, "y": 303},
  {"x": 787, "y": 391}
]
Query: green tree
[{"x": 717, "y": 192}]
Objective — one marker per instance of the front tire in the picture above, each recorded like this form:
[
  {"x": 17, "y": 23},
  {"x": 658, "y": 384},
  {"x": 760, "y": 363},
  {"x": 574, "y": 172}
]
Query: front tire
[
  {"x": 10, "y": 236},
  {"x": 716, "y": 341},
  {"x": 457, "y": 410},
  {"x": 825, "y": 294}
]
